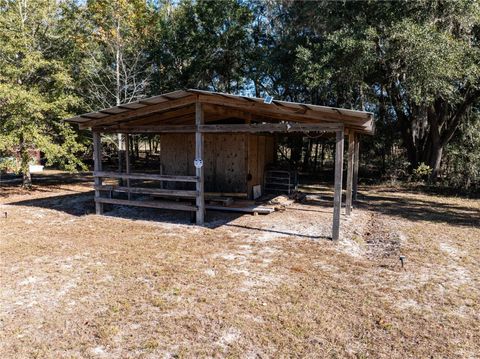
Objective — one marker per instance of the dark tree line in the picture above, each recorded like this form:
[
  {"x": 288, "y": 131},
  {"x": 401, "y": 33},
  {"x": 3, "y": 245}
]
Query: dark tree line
[{"x": 416, "y": 65}]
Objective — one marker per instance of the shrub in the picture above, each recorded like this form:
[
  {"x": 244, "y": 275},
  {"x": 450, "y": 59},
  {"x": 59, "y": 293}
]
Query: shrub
[{"x": 422, "y": 172}]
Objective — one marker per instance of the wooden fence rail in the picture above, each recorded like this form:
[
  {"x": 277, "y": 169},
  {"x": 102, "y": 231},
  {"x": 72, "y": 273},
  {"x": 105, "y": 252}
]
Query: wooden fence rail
[
  {"x": 145, "y": 176},
  {"x": 152, "y": 191}
]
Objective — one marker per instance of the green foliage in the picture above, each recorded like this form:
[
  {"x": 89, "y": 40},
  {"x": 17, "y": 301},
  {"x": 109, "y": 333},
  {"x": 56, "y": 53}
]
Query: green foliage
[
  {"x": 202, "y": 44},
  {"x": 35, "y": 86},
  {"x": 112, "y": 38},
  {"x": 8, "y": 164},
  {"x": 422, "y": 172},
  {"x": 396, "y": 169},
  {"x": 462, "y": 162},
  {"x": 414, "y": 63}
]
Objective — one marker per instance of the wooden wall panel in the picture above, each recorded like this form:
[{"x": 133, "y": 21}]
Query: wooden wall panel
[
  {"x": 261, "y": 160},
  {"x": 177, "y": 152},
  {"x": 269, "y": 149},
  {"x": 210, "y": 163},
  {"x": 225, "y": 166},
  {"x": 230, "y": 175},
  {"x": 252, "y": 163},
  {"x": 260, "y": 154}
]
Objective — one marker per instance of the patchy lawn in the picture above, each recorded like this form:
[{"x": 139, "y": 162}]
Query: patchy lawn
[{"x": 146, "y": 284}]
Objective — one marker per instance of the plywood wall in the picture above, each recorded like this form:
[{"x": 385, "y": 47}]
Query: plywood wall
[
  {"x": 233, "y": 162},
  {"x": 224, "y": 162},
  {"x": 261, "y": 152}
]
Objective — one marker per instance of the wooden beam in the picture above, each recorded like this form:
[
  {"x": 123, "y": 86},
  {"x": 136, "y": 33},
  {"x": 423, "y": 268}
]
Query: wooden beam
[
  {"x": 211, "y": 113},
  {"x": 97, "y": 159},
  {"x": 250, "y": 209},
  {"x": 153, "y": 191},
  {"x": 120, "y": 152},
  {"x": 290, "y": 112},
  {"x": 170, "y": 192},
  {"x": 351, "y": 155},
  {"x": 356, "y": 163},
  {"x": 140, "y": 112},
  {"x": 161, "y": 117},
  {"x": 127, "y": 160},
  {"x": 272, "y": 127},
  {"x": 145, "y": 176},
  {"x": 150, "y": 204},
  {"x": 199, "y": 170},
  {"x": 234, "y": 128},
  {"x": 216, "y": 111},
  {"x": 337, "y": 197}
]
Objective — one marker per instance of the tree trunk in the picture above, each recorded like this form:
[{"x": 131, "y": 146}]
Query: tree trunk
[
  {"x": 137, "y": 147},
  {"x": 436, "y": 160},
  {"x": 426, "y": 144},
  {"x": 257, "y": 89},
  {"x": 25, "y": 164},
  {"x": 322, "y": 156},
  {"x": 121, "y": 149},
  {"x": 308, "y": 153},
  {"x": 26, "y": 179},
  {"x": 315, "y": 163}
]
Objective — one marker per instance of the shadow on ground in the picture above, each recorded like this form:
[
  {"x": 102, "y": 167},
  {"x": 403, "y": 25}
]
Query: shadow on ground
[
  {"x": 421, "y": 209},
  {"x": 411, "y": 208},
  {"x": 285, "y": 233},
  {"x": 82, "y": 204}
]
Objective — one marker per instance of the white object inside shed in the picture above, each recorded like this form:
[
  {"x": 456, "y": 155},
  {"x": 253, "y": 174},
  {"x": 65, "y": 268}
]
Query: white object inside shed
[{"x": 257, "y": 191}]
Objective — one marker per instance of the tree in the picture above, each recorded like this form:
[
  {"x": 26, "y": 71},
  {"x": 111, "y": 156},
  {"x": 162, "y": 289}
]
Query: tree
[
  {"x": 433, "y": 76},
  {"x": 463, "y": 154},
  {"x": 36, "y": 91},
  {"x": 417, "y": 61},
  {"x": 202, "y": 44},
  {"x": 114, "y": 38},
  {"x": 116, "y": 67}
]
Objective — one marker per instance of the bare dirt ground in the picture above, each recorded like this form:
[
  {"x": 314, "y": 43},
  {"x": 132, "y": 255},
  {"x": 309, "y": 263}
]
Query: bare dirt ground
[{"x": 147, "y": 284}]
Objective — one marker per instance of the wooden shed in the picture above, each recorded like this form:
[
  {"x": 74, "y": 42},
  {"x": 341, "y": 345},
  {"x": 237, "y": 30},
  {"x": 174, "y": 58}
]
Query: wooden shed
[
  {"x": 234, "y": 162},
  {"x": 219, "y": 143}
]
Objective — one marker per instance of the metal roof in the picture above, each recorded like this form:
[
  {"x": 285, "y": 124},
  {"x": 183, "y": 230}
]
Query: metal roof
[{"x": 178, "y": 108}]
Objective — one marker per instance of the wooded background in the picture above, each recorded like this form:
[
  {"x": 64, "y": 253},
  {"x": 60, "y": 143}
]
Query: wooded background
[{"x": 416, "y": 65}]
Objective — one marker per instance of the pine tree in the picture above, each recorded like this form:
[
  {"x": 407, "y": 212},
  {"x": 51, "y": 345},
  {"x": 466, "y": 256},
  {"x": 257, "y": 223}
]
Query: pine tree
[{"x": 36, "y": 90}]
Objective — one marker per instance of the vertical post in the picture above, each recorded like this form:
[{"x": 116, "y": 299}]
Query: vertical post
[
  {"x": 356, "y": 162},
  {"x": 200, "y": 199},
  {"x": 127, "y": 161},
  {"x": 351, "y": 153},
  {"x": 337, "y": 197},
  {"x": 246, "y": 138},
  {"x": 97, "y": 160},
  {"x": 121, "y": 152}
]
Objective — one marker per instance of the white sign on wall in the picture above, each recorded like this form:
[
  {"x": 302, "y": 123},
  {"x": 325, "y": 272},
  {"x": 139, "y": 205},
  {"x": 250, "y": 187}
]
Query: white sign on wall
[{"x": 198, "y": 163}]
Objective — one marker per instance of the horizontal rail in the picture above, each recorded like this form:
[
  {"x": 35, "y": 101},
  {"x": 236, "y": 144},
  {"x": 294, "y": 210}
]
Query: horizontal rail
[
  {"x": 145, "y": 176},
  {"x": 150, "y": 204},
  {"x": 154, "y": 191},
  {"x": 258, "y": 209},
  {"x": 271, "y": 127},
  {"x": 228, "y": 128}
]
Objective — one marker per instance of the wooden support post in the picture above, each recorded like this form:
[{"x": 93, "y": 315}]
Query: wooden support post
[
  {"x": 120, "y": 155},
  {"x": 127, "y": 161},
  {"x": 337, "y": 197},
  {"x": 351, "y": 155},
  {"x": 97, "y": 158},
  {"x": 199, "y": 170},
  {"x": 356, "y": 161}
]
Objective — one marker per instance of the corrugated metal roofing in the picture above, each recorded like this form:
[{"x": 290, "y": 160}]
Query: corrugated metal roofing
[{"x": 360, "y": 121}]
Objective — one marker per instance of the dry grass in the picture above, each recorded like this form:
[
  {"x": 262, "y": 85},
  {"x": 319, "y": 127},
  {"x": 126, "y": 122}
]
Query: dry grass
[{"x": 76, "y": 285}]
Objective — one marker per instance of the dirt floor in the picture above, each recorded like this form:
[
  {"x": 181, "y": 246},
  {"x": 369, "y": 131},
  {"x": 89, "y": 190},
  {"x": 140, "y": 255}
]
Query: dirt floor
[{"x": 147, "y": 284}]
